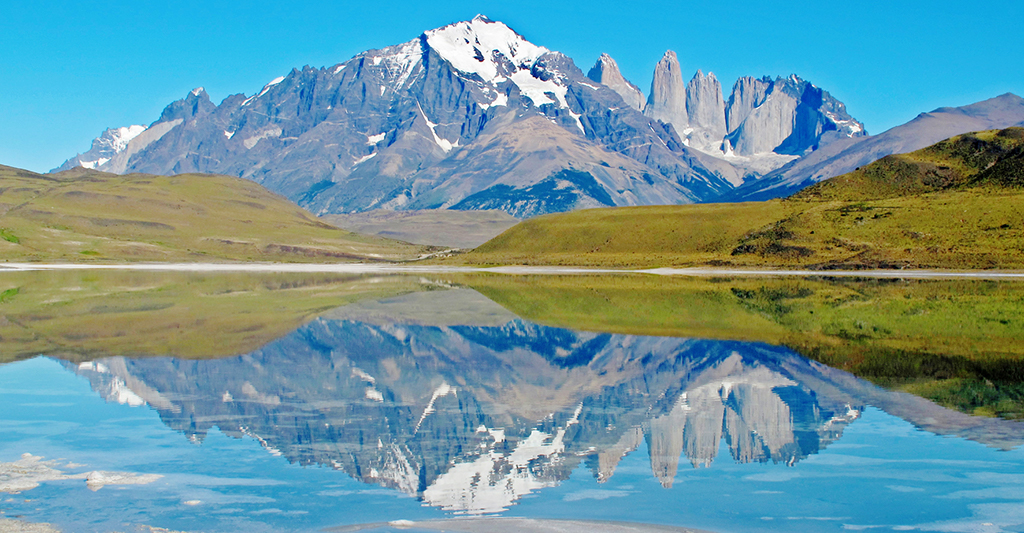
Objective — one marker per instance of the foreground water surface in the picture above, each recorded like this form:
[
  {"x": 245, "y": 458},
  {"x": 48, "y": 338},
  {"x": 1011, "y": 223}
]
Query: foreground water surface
[{"x": 295, "y": 402}]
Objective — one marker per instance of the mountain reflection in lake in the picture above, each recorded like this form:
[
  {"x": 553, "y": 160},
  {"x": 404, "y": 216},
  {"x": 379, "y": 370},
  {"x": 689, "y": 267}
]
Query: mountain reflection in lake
[
  {"x": 450, "y": 398},
  {"x": 472, "y": 417}
]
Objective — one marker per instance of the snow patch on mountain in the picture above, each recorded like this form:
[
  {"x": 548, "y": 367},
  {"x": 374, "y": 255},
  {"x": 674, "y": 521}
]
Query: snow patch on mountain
[
  {"x": 267, "y": 133},
  {"x": 847, "y": 128},
  {"x": 499, "y": 101},
  {"x": 443, "y": 143},
  {"x": 272, "y": 83},
  {"x": 494, "y": 481},
  {"x": 92, "y": 165},
  {"x": 123, "y": 136},
  {"x": 119, "y": 392},
  {"x": 443, "y": 390},
  {"x": 363, "y": 159},
  {"x": 539, "y": 91},
  {"x": 266, "y": 88}
]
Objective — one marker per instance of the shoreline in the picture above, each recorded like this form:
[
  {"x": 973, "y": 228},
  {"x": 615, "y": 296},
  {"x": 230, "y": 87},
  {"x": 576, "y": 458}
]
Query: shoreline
[{"x": 394, "y": 268}]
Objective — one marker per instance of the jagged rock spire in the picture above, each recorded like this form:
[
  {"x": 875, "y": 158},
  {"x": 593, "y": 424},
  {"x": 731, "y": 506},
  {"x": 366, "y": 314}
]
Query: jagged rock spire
[
  {"x": 705, "y": 109},
  {"x": 606, "y": 71},
  {"x": 667, "y": 101}
]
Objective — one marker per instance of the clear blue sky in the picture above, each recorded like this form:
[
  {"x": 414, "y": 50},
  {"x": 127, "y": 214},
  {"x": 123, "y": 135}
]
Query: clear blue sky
[{"x": 69, "y": 70}]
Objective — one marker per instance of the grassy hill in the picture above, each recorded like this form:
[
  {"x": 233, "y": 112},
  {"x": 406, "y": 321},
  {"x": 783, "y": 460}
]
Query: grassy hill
[
  {"x": 956, "y": 204},
  {"x": 84, "y": 215}
]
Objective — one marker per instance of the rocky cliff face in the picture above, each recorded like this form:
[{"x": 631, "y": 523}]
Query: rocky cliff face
[
  {"x": 763, "y": 119},
  {"x": 606, "y": 71},
  {"x": 747, "y": 95}
]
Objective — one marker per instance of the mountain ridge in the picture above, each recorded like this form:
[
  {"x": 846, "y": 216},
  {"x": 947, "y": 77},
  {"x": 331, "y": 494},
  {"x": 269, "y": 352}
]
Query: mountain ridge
[{"x": 380, "y": 130}]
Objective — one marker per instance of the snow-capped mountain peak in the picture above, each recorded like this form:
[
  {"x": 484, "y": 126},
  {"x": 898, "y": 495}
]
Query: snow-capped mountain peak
[
  {"x": 491, "y": 50},
  {"x": 112, "y": 142}
]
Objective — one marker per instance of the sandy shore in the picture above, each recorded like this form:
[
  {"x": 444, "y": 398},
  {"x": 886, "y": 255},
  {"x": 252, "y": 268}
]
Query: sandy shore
[{"x": 377, "y": 268}]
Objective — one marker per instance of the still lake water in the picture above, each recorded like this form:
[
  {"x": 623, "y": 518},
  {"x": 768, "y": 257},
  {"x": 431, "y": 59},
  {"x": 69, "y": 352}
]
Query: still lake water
[{"x": 396, "y": 398}]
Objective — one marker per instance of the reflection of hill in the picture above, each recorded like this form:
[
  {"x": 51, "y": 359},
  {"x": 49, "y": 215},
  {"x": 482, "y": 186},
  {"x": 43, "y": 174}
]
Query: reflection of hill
[
  {"x": 471, "y": 418},
  {"x": 85, "y": 314},
  {"x": 957, "y": 342}
]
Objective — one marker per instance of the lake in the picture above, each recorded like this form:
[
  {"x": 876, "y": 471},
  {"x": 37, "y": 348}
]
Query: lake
[{"x": 142, "y": 401}]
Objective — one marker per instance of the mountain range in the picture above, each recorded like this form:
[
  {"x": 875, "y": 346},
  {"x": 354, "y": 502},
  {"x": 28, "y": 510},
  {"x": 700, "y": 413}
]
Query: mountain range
[{"x": 474, "y": 116}]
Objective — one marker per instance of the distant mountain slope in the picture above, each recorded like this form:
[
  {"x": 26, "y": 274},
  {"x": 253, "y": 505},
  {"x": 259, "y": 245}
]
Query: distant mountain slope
[
  {"x": 454, "y": 119},
  {"x": 956, "y": 204},
  {"x": 845, "y": 155},
  {"x": 440, "y": 227},
  {"x": 82, "y": 215}
]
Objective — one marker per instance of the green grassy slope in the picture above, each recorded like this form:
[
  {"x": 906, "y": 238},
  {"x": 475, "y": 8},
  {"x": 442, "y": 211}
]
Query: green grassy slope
[
  {"x": 84, "y": 215},
  {"x": 957, "y": 204},
  {"x": 959, "y": 343}
]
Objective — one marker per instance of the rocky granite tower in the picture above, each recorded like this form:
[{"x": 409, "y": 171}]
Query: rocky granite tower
[
  {"x": 705, "y": 109},
  {"x": 747, "y": 94},
  {"x": 784, "y": 116},
  {"x": 667, "y": 101},
  {"x": 606, "y": 71}
]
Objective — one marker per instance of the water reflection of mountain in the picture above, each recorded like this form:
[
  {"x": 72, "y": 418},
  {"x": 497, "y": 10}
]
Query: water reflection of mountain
[{"x": 472, "y": 417}]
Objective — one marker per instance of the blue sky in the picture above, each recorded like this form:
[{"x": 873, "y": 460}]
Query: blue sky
[{"x": 69, "y": 70}]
